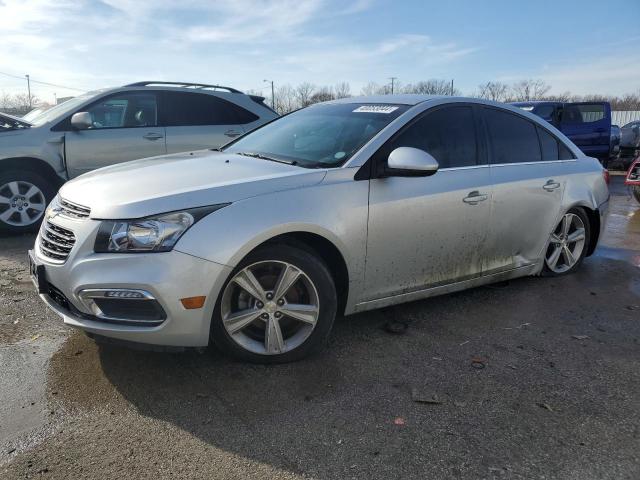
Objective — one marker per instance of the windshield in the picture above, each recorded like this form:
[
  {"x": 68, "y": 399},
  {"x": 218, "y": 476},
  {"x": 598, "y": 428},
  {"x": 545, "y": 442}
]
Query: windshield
[
  {"x": 325, "y": 135},
  {"x": 60, "y": 109}
]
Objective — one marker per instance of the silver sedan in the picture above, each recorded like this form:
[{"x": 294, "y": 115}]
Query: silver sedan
[{"x": 338, "y": 208}]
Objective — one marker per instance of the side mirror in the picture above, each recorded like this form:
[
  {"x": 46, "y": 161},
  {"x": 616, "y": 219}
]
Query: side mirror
[
  {"x": 411, "y": 162},
  {"x": 81, "y": 120}
]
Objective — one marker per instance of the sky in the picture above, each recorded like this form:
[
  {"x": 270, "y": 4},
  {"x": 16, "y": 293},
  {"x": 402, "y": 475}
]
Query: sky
[{"x": 585, "y": 46}]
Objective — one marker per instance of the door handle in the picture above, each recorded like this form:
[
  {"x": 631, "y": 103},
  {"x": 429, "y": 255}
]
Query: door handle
[
  {"x": 152, "y": 136},
  {"x": 551, "y": 185},
  {"x": 475, "y": 197},
  {"x": 232, "y": 133}
]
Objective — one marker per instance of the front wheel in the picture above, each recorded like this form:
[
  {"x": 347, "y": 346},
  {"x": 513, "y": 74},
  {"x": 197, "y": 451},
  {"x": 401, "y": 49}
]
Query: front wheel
[
  {"x": 636, "y": 192},
  {"x": 24, "y": 196},
  {"x": 278, "y": 306},
  {"x": 568, "y": 244}
]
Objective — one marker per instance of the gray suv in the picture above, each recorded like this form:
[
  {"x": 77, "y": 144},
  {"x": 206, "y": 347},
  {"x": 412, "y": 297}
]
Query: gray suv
[{"x": 105, "y": 127}]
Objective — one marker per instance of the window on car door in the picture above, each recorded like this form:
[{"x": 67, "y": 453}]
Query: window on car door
[
  {"x": 201, "y": 120},
  {"x": 512, "y": 138}
]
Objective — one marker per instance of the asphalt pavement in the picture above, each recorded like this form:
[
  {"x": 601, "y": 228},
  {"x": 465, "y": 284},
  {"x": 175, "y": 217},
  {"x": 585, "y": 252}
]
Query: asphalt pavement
[{"x": 537, "y": 378}]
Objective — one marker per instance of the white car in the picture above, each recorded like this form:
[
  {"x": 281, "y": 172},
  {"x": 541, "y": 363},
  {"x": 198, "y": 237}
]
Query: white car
[{"x": 337, "y": 208}]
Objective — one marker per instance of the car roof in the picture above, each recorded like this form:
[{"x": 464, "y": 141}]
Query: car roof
[{"x": 402, "y": 99}]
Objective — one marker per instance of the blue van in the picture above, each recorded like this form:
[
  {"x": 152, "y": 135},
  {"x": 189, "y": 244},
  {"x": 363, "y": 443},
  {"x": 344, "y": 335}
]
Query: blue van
[{"x": 587, "y": 124}]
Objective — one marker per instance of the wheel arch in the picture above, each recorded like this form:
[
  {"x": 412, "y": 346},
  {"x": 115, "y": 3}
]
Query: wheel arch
[
  {"x": 593, "y": 215},
  {"x": 35, "y": 165}
]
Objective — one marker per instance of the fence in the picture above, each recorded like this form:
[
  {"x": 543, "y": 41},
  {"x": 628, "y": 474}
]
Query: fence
[{"x": 622, "y": 117}]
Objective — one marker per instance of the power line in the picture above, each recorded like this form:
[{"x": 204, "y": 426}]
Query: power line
[{"x": 43, "y": 83}]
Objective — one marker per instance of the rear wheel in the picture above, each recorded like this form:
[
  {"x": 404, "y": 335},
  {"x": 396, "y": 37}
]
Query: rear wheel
[
  {"x": 24, "y": 196},
  {"x": 568, "y": 244},
  {"x": 278, "y": 306}
]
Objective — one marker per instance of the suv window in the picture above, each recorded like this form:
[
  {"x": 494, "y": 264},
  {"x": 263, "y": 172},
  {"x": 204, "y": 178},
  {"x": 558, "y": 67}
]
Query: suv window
[
  {"x": 545, "y": 111},
  {"x": 512, "y": 139},
  {"x": 586, "y": 113},
  {"x": 185, "y": 109},
  {"x": 448, "y": 134},
  {"x": 125, "y": 110}
]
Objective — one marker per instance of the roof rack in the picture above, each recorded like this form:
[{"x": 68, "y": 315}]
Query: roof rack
[{"x": 183, "y": 84}]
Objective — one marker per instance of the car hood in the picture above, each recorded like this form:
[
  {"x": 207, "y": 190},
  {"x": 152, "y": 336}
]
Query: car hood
[{"x": 176, "y": 182}]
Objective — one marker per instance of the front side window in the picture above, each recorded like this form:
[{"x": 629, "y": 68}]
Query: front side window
[
  {"x": 183, "y": 109},
  {"x": 448, "y": 134},
  {"x": 512, "y": 139},
  {"x": 127, "y": 110},
  {"x": 586, "y": 113},
  {"x": 324, "y": 135}
]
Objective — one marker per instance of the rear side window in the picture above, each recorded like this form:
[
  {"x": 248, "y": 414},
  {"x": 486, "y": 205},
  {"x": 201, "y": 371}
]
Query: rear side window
[
  {"x": 565, "y": 153},
  {"x": 512, "y": 139},
  {"x": 549, "y": 145},
  {"x": 191, "y": 109},
  {"x": 586, "y": 113},
  {"x": 448, "y": 134}
]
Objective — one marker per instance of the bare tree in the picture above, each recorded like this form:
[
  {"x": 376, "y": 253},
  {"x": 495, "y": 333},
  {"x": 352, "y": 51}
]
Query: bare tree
[
  {"x": 372, "y": 88},
  {"x": 496, "y": 91},
  {"x": 529, "y": 89},
  {"x": 342, "y": 90},
  {"x": 431, "y": 87},
  {"x": 285, "y": 99},
  {"x": 323, "y": 94},
  {"x": 303, "y": 94}
]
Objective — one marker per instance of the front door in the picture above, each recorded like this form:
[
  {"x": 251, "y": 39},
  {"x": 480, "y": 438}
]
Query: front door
[
  {"x": 124, "y": 128},
  {"x": 429, "y": 231}
]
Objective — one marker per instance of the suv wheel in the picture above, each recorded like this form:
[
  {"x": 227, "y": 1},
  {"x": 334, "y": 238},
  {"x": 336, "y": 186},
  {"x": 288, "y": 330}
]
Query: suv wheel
[
  {"x": 568, "y": 244},
  {"x": 24, "y": 196},
  {"x": 278, "y": 306}
]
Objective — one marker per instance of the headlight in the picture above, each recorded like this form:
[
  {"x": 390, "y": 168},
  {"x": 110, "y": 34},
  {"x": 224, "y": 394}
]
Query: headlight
[{"x": 158, "y": 233}]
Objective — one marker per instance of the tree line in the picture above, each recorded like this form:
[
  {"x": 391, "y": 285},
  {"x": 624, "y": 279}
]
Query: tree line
[{"x": 288, "y": 98}]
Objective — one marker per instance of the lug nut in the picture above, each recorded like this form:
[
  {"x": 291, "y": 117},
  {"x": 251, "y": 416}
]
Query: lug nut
[
  {"x": 269, "y": 296},
  {"x": 265, "y": 316},
  {"x": 277, "y": 314},
  {"x": 281, "y": 302},
  {"x": 259, "y": 304}
]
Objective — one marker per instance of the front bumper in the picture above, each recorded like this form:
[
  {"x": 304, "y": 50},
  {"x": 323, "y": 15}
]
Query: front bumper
[{"x": 167, "y": 276}]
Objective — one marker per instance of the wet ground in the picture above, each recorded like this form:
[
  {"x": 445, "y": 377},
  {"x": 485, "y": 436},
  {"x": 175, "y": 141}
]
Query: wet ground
[{"x": 537, "y": 378}]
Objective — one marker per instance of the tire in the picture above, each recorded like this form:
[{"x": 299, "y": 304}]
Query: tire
[
  {"x": 562, "y": 265},
  {"x": 15, "y": 185},
  {"x": 313, "y": 289},
  {"x": 636, "y": 192}
]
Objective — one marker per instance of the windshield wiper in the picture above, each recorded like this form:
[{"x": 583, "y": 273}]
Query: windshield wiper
[{"x": 265, "y": 157}]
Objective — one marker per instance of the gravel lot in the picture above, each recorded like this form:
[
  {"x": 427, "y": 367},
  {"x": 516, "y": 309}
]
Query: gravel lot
[{"x": 536, "y": 378}]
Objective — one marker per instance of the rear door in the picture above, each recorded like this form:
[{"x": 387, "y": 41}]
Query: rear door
[
  {"x": 588, "y": 125},
  {"x": 528, "y": 172},
  {"x": 429, "y": 231},
  {"x": 125, "y": 127},
  {"x": 199, "y": 120}
]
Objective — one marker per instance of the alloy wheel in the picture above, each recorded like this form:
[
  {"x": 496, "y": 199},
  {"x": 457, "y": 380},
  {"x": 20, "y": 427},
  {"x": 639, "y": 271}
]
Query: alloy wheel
[
  {"x": 21, "y": 203},
  {"x": 270, "y": 307},
  {"x": 566, "y": 244}
]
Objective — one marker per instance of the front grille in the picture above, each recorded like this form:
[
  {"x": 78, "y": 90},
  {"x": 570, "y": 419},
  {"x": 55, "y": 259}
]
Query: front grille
[
  {"x": 56, "y": 242},
  {"x": 73, "y": 210}
]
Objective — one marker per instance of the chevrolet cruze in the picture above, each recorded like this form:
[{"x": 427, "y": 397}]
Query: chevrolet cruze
[{"x": 338, "y": 208}]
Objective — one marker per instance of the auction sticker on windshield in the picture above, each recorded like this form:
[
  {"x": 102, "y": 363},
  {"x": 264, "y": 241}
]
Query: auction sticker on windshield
[{"x": 375, "y": 109}]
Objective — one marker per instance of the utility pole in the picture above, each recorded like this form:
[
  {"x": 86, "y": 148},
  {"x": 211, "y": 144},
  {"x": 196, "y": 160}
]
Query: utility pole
[
  {"x": 273, "y": 97},
  {"x": 393, "y": 79},
  {"x": 29, "y": 89},
  {"x": 452, "y": 87}
]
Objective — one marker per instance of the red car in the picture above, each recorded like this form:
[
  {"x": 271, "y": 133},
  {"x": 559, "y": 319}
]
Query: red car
[{"x": 633, "y": 178}]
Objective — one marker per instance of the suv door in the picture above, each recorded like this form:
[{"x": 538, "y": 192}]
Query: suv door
[
  {"x": 588, "y": 125},
  {"x": 195, "y": 121},
  {"x": 428, "y": 231},
  {"x": 125, "y": 127},
  {"x": 528, "y": 171}
]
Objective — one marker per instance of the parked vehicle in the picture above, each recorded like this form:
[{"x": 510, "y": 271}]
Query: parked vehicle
[
  {"x": 101, "y": 128},
  {"x": 633, "y": 178},
  {"x": 587, "y": 124},
  {"x": 616, "y": 134},
  {"x": 338, "y": 208},
  {"x": 630, "y": 138}
]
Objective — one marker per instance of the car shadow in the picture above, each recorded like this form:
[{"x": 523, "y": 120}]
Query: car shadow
[{"x": 376, "y": 403}]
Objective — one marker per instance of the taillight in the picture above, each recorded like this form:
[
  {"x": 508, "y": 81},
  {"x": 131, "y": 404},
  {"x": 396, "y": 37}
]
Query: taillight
[{"x": 605, "y": 174}]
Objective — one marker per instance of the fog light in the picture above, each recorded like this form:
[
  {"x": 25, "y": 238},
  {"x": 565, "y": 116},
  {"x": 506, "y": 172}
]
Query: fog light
[
  {"x": 123, "y": 294},
  {"x": 191, "y": 303}
]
